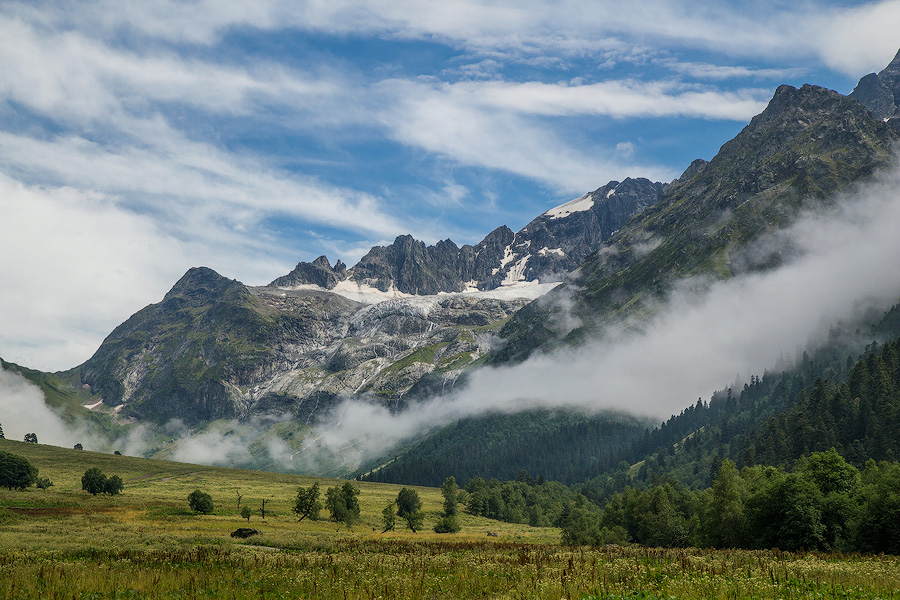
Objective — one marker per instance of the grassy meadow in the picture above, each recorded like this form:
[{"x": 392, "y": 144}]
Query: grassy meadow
[{"x": 146, "y": 543}]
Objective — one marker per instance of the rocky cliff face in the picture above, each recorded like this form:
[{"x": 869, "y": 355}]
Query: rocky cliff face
[
  {"x": 214, "y": 348},
  {"x": 808, "y": 144},
  {"x": 880, "y": 93},
  {"x": 545, "y": 250}
]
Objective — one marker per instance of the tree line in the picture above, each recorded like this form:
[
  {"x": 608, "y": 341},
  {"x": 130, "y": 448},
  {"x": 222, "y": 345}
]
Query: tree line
[
  {"x": 824, "y": 503},
  {"x": 570, "y": 446}
]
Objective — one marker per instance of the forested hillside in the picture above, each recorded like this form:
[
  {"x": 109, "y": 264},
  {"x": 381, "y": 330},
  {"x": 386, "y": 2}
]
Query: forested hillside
[
  {"x": 568, "y": 445},
  {"x": 836, "y": 397}
]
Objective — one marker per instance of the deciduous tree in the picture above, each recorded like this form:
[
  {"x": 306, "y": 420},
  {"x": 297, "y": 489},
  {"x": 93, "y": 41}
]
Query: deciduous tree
[
  {"x": 449, "y": 521},
  {"x": 93, "y": 481},
  {"x": 307, "y": 502},
  {"x": 409, "y": 508},
  {"x": 343, "y": 503},
  {"x": 388, "y": 517}
]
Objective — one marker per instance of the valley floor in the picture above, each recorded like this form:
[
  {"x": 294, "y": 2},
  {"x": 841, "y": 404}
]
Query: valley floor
[{"x": 146, "y": 543}]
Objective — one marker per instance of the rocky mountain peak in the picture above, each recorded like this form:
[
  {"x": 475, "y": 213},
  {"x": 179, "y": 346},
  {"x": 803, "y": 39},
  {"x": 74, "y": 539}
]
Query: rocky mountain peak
[
  {"x": 319, "y": 272},
  {"x": 545, "y": 250},
  {"x": 793, "y": 142},
  {"x": 201, "y": 285},
  {"x": 880, "y": 92},
  {"x": 694, "y": 169}
]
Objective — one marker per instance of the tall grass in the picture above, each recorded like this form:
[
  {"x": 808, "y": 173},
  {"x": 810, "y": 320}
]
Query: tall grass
[
  {"x": 145, "y": 543},
  {"x": 354, "y": 568}
]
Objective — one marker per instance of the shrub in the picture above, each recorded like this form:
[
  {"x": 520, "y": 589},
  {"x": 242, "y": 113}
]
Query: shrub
[
  {"x": 95, "y": 482},
  {"x": 200, "y": 502},
  {"x": 16, "y": 473},
  {"x": 113, "y": 485},
  {"x": 447, "y": 525}
]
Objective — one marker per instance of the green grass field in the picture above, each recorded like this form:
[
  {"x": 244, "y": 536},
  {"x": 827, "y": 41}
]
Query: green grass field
[{"x": 146, "y": 543}]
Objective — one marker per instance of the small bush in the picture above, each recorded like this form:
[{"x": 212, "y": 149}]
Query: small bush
[
  {"x": 16, "y": 473},
  {"x": 95, "y": 482},
  {"x": 200, "y": 502},
  {"x": 447, "y": 525}
]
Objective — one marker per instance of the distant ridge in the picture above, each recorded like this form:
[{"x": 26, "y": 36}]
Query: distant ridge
[
  {"x": 806, "y": 145},
  {"x": 546, "y": 250}
]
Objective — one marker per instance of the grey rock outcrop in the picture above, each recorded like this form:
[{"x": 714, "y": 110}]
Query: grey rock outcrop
[
  {"x": 880, "y": 92},
  {"x": 319, "y": 272}
]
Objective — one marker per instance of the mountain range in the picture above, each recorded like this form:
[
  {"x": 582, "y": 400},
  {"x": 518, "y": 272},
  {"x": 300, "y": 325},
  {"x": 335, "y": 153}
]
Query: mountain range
[
  {"x": 409, "y": 321},
  {"x": 546, "y": 250}
]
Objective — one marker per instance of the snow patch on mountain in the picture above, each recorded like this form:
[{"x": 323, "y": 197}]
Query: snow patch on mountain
[
  {"x": 512, "y": 288},
  {"x": 579, "y": 204},
  {"x": 551, "y": 251},
  {"x": 516, "y": 273}
]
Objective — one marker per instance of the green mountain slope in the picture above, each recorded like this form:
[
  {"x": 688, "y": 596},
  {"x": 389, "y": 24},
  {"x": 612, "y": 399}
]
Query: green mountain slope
[
  {"x": 808, "y": 144},
  {"x": 66, "y": 397},
  {"x": 564, "y": 446},
  {"x": 174, "y": 359}
]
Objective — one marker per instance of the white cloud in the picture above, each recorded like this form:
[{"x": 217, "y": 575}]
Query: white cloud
[
  {"x": 75, "y": 266},
  {"x": 71, "y": 76},
  {"x": 858, "y": 40},
  {"x": 847, "y": 38},
  {"x": 617, "y": 99},
  {"x": 498, "y": 125},
  {"x": 24, "y": 411},
  {"x": 721, "y": 72}
]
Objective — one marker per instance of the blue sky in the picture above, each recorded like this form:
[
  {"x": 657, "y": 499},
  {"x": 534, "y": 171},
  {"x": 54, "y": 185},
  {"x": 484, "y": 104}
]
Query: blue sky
[{"x": 138, "y": 139}]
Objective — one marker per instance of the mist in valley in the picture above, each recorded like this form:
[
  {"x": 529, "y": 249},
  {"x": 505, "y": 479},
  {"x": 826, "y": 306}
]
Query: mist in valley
[{"x": 837, "y": 266}]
